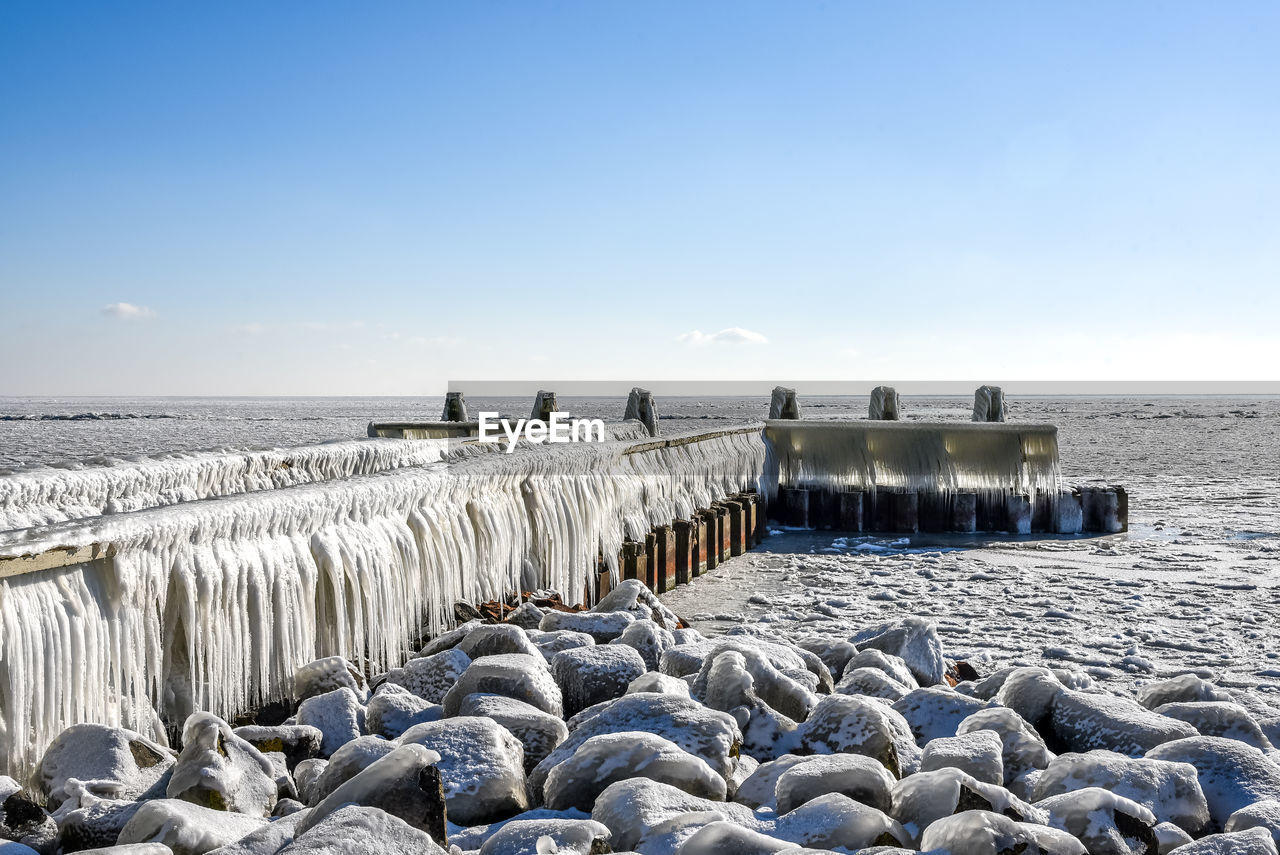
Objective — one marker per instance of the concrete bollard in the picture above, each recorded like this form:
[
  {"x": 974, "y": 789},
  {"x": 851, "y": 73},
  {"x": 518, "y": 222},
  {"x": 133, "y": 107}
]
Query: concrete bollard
[
  {"x": 783, "y": 404},
  {"x": 544, "y": 405},
  {"x": 989, "y": 405},
  {"x": 455, "y": 408},
  {"x": 1018, "y": 514},
  {"x": 885, "y": 405},
  {"x": 992, "y": 512},
  {"x": 964, "y": 513},
  {"x": 851, "y": 510},
  {"x": 793, "y": 507},
  {"x": 897, "y": 510},
  {"x": 824, "y": 508},
  {"x": 685, "y": 533},
  {"x": 1101, "y": 509},
  {"x": 1122, "y": 508},
  {"x": 1068, "y": 512},
  {"x": 1041, "y": 512},
  {"x": 665, "y": 538},
  {"x": 632, "y": 560}
]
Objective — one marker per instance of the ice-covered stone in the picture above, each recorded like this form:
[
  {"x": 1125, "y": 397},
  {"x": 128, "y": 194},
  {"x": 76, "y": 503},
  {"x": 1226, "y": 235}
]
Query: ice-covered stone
[
  {"x": 481, "y": 764},
  {"x": 83, "y": 820},
  {"x": 430, "y": 677},
  {"x": 977, "y": 753},
  {"x": 648, "y": 639},
  {"x": 1255, "y": 841},
  {"x": 655, "y": 683},
  {"x": 590, "y": 675},
  {"x": 1219, "y": 718},
  {"x": 871, "y": 682},
  {"x": 526, "y": 616},
  {"x": 1184, "y": 689},
  {"x": 1030, "y": 692},
  {"x": 186, "y": 828},
  {"x": 775, "y": 686},
  {"x": 708, "y": 734},
  {"x": 325, "y": 675},
  {"x": 892, "y": 666},
  {"x": 1232, "y": 775},
  {"x": 1022, "y": 749},
  {"x": 297, "y": 742},
  {"x": 759, "y": 789},
  {"x": 404, "y": 783},
  {"x": 1107, "y": 824},
  {"x": 219, "y": 770},
  {"x": 539, "y": 732},
  {"x": 1261, "y": 814},
  {"x": 1082, "y": 722},
  {"x": 539, "y": 836},
  {"x": 684, "y": 659},
  {"x": 1169, "y": 837},
  {"x": 513, "y": 675},
  {"x": 847, "y": 724},
  {"x": 338, "y": 714},
  {"x": 862, "y": 779},
  {"x": 912, "y": 639},
  {"x": 835, "y": 653},
  {"x": 726, "y": 684},
  {"x": 127, "y": 849},
  {"x": 393, "y": 709},
  {"x": 601, "y": 626},
  {"x": 551, "y": 643},
  {"x": 449, "y": 640},
  {"x": 634, "y": 808},
  {"x": 495, "y": 639},
  {"x": 608, "y": 758},
  {"x": 835, "y": 820},
  {"x": 727, "y": 838},
  {"x": 471, "y": 838},
  {"x": 25, "y": 822},
  {"x": 115, "y": 763},
  {"x": 634, "y": 598},
  {"x": 935, "y": 712},
  {"x": 1171, "y": 791},
  {"x": 357, "y": 830},
  {"x": 347, "y": 762},
  {"x": 306, "y": 775},
  {"x": 924, "y": 798},
  {"x": 980, "y": 832}
]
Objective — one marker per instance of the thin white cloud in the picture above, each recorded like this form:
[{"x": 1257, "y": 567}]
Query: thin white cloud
[
  {"x": 252, "y": 329},
  {"x": 732, "y": 335},
  {"x": 127, "y": 312}
]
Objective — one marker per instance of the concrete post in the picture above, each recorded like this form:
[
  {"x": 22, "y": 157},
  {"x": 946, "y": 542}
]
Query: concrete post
[
  {"x": 783, "y": 404},
  {"x": 632, "y": 560},
  {"x": 1018, "y": 514},
  {"x": 793, "y": 507},
  {"x": 884, "y": 406},
  {"x": 851, "y": 510},
  {"x": 1068, "y": 512},
  {"x": 725, "y": 530},
  {"x": 1101, "y": 508},
  {"x": 700, "y": 564},
  {"x": 709, "y": 545},
  {"x": 544, "y": 405},
  {"x": 964, "y": 513},
  {"x": 455, "y": 408},
  {"x": 650, "y": 577},
  {"x": 934, "y": 511},
  {"x": 640, "y": 408},
  {"x": 989, "y": 405}
]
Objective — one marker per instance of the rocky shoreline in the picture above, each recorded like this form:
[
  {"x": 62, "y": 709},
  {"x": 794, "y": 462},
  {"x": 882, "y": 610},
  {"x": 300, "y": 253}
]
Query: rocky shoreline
[{"x": 619, "y": 730}]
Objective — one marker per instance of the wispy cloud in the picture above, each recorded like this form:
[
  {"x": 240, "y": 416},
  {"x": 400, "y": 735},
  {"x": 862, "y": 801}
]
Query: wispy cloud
[
  {"x": 127, "y": 312},
  {"x": 252, "y": 329},
  {"x": 732, "y": 335}
]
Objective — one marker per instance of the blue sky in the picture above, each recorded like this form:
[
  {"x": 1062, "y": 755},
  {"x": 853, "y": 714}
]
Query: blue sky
[{"x": 343, "y": 198}]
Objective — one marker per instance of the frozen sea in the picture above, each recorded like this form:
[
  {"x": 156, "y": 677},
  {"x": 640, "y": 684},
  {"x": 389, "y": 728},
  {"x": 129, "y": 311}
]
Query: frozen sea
[{"x": 1194, "y": 584}]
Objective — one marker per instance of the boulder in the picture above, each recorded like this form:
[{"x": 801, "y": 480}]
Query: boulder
[
  {"x": 835, "y": 820},
  {"x": 977, "y": 753},
  {"x": 1082, "y": 722},
  {"x": 862, "y": 779},
  {"x": 1107, "y": 824},
  {"x": 1219, "y": 718},
  {"x": 481, "y": 765},
  {"x": 845, "y": 724},
  {"x": 914, "y": 641},
  {"x": 297, "y": 742},
  {"x": 404, "y": 783},
  {"x": 187, "y": 828},
  {"x": 601, "y": 626},
  {"x": 526, "y": 616},
  {"x": 430, "y": 677},
  {"x": 1031, "y": 693},
  {"x": 325, "y": 675},
  {"x": 632, "y": 597},
  {"x": 1022, "y": 749},
  {"x": 1183, "y": 689},
  {"x": 338, "y": 714},
  {"x": 1255, "y": 841},
  {"x": 551, "y": 643},
  {"x": 871, "y": 682},
  {"x": 759, "y": 789},
  {"x": 589, "y": 675},
  {"x": 654, "y": 683},
  {"x": 719, "y": 837},
  {"x": 219, "y": 770},
  {"x": 393, "y": 709},
  {"x": 611, "y": 757},
  {"x": 633, "y": 809},
  {"x": 496, "y": 639},
  {"x": 116, "y": 763},
  {"x": 357, "y": 830},
  {"x": 981, "y": 832},
  {"x": 86, "y": 821},
  {"x": 649, "y": 640},
  {"x": 892, "y": 666},
  {"x": 924, "y": 798},
  {"x": 539, "y": 732},
  {"x": 347, "y": 762},
  {"x": 1232, "y": 775},
  {"x": 1263, "y": 814},
  {"x": 513, "y": 675},
  {"x": 529, "y": 836},
  {"x": 935, "y": 712}
]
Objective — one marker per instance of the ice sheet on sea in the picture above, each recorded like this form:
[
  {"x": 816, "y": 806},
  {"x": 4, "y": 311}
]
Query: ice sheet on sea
[{"x": 213, "y": 604}]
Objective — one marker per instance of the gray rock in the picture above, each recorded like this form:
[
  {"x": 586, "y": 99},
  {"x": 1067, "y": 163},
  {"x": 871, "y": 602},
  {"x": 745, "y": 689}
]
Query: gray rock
[
  {"x": 337, "y": 714},
  {"x": 297, "y": 742},
  {"x": 325, "y": 675},
  {"x": 496, "y": 639},
  {"x": 513, "y": 675},
  {"x": 1082, "y": 722},
  {"x": 602, "y": 626},
  {"x": 481, "y": 766},
  {"x": 539, "y": 732},
  {"x": 117, "y": 763},
  {"x": 590, "y": 675},
  {"x": 431, "y": 677},
  {"x": 219, "y": 770},
  {"x": 393, "y": 709}
]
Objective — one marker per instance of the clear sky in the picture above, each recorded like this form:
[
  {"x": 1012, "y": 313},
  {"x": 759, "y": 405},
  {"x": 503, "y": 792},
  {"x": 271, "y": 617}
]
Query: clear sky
[{"x": 375, "y": 198}]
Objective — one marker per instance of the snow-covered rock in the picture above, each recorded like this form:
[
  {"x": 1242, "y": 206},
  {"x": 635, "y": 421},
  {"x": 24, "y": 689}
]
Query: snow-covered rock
[
  {"x": 924, "y": 798},
  {"x": 539, "y": 732},
  {"x": 449, "y": 640},
  {"x": 1171, "y": 791},
  {"x": 297, "y": 742},
  {"x": 127, "y": 849},
  {"x": 590, "y": 675},
  {"x": 1169, "y": 837},
  {"x": 980, "y": 832},
  {"x": 1232, "y": 775},
  {"x": 357, "y": 830},
  {"x": 773, "y": 673},
  {"x": 1262, "y": 814},
  {"x": 1022, "y": 749},
  {"x": 634, "y": 598},
  {"x": 1255, "y": 841},
  {"x": 306, "y": 776},
  {"x": 347, "y": 762},
  {"x": 325, "y": 675},
  {"x": 1107, "y": 824},
  {"x": 186, "y": 828},
  {"x": 551, "y": 643},
  {"x": 1184, "y": 689},
  {"x": 513, "y": 675},
  {"x": 871, "y": 682},
  {"x": 219, "y": 770},
  {"x": 835, "y": 653},
  {"x": 935, "y": 711},
  {"x": 481, "y": 765},
  {"x": 634, "y": 808},
  {"x": 116, "y": 764},
  {"x": 602, "y": 626},
  {"x": 978, "y": 753},
  {"x": 759, "y": 789},
  {"x": 726, "y": 684},
  {"x": 1030, "y": 692},
  {"x": 649, "y": 640},
  {"x": 656, "y": 683},
  {"x": 608, "y": 758},
  {"x": 835, "y": 820},
  {"x": 912, "y": 639},
  {"x": 86, "y": 821},
  {"x": 1082, "y": 722},
  {"x": 862, "y": 779},
  {"x": 393, "y": 709},
  {"x": 892, "y": 666},
  {"x": 405, "y": 784},
  {"x": 727, "y": 838},
  {"x": 708, "y": 734},
  {"x": 495, "y": 639},
  {"x": 845, "y": 724},
  {"x": 430, "y": 677},
  {"x": 526, "y": 616},
  {"x": 1219, "y": 718},
  {"x": 537, "y": 836},
  {"x": 338, "y": 714},
  {"x": 685, "y": 659}
]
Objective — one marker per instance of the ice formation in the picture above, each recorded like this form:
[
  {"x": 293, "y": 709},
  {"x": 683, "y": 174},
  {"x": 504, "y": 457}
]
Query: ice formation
[{"x": 212, "y": 605}]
